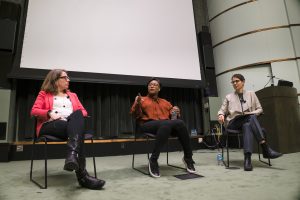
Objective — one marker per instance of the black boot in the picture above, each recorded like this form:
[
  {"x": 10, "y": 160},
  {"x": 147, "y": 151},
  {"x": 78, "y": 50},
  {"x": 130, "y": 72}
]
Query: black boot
[
  {"x": 71, "y": 162},
  {"x": 247, "y": 162},
  {"x": 268, "y": 152},
  {"x": 73, "y": 145},
  {"x": 85, "y": 180}
]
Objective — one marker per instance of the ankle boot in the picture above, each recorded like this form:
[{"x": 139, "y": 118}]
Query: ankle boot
[
  {"x": 247, "y": 162},
  {"x": 268, "y": 152},
  {"x": 73, "y": 145},
  {"x": 85, "y": 180},
  {"x": 71, "y": 162}
]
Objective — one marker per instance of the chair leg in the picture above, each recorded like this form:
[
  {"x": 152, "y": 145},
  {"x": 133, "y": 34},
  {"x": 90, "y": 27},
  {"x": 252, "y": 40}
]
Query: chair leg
[
  {"x": 222, "y": 149},
  {"x": 46, "y": 166},
  {"x": 258, "y": 151},
  {"x": 168, "y": 159},
  {"x": 239, "y": 140},
  {"x": 133, "y": 156},
  {"x": 132, "y": 163},
  {"x": 94, "y": 162},
  {"x": 45, "y": 171},
  {"x": 133, "y": 153},
  {"x": 168, "y": 152},
  {"x": 32, "y": 156},
  {"x": 148, "y": 156},
  {"x": 227, "y": 148},
  {"x": 148, "y": 144}
]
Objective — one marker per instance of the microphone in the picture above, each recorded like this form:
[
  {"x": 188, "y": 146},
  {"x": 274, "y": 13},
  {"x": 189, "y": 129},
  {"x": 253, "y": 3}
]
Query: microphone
[{"x": 242, "y": 99}]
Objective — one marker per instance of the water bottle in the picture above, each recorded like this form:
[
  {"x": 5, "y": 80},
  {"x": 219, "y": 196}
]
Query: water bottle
[
  {"x": 173, "y": 115},
  {"x": 193, "y": 132},
  {"x": 219, "y": 158}
]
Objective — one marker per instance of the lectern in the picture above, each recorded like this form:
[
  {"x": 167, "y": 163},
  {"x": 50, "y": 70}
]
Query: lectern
[{"x": 281, "y": 117}]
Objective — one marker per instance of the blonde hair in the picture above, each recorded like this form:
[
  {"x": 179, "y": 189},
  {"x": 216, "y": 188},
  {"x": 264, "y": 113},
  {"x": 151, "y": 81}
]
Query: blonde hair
[{"x": 50, "y": 80}]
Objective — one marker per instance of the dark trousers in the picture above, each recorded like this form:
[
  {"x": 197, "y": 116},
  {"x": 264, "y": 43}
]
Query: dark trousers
[
  {"x": 72, "y": 128},
  {"x": 163, "y": 129},
  {"x": 250, "y": 127}
]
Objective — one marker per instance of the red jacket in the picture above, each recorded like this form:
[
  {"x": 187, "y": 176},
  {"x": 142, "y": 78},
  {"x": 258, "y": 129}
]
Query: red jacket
[{"x": 44, "y": 103}]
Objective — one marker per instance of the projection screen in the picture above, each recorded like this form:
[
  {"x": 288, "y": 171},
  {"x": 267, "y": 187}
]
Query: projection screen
[{"x": 113, "y": 41}]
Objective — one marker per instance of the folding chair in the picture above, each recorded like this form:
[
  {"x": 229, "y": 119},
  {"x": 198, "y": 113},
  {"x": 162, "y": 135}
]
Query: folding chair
[
  {"x": 148, "y": 137},
  {"x": 46, "y": 139},
  {"x": 227, "y": 132}
]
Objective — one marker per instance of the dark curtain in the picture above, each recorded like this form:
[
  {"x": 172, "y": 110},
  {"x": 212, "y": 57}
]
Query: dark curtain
[{"x": 108, "y": 106}]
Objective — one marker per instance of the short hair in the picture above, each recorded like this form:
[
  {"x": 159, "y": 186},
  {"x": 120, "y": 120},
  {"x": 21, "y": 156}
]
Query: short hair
[
  {"x": 49, "y": 82},
  {"x": 239, "y": 76},
  {"x": 155, "y": 79}
]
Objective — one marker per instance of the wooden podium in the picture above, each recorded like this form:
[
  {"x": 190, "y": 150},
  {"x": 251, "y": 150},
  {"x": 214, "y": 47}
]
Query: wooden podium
[{"x": 281, "y": 117}]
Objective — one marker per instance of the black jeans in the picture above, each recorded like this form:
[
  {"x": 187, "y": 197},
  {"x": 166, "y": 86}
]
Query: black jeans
[
  {"x": 250, "y": 127},
  {"x": 163, "y": 129},
  {"x": 73, "y": 127}
]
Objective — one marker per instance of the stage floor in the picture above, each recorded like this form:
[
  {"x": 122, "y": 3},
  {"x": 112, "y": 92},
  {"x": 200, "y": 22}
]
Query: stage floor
[{"x": 280, "y": 181}]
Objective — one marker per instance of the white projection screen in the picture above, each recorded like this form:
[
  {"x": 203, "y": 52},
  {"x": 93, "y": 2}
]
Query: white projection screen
[{"x": 117, "y": 41}]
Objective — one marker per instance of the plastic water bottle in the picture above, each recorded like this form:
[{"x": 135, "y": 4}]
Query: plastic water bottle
[
  {"x": 173, "y": 115},
  {"x": 219, "y": 158}
]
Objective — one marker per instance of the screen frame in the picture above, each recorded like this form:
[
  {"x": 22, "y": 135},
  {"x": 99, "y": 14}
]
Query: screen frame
[{"x": 38, "y": 74}]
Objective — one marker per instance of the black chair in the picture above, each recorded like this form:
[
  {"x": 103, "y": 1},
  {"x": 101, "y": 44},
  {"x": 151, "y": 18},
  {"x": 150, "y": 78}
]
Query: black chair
[
  {"x": 46, "y": 139},
  {"x": 228, "y": 132},
  {"x": 149, "y": 136}
]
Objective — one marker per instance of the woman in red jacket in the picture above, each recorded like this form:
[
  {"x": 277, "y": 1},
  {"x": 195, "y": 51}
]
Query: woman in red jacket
[{"x": 59, "y": 113}]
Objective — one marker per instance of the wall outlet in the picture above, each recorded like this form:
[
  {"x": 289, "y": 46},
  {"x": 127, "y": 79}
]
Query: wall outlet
[
  {"x": 122, "y": 145},
  {"x": 19, "y": 148}
]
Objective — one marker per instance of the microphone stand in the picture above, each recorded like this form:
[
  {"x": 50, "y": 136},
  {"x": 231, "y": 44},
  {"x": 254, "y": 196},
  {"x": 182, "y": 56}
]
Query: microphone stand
[{"x": 271, "y": 79}]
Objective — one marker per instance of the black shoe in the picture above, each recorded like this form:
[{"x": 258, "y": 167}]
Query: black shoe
[
  {"x": 87, "y": 181},
  {"x": 247, "y": 163},
  {"x": 269, "y": 153},
  {"x": 154, "y": 168},
  {"x": 71, "y": 162},
  {"x": 189, "y": 164}
]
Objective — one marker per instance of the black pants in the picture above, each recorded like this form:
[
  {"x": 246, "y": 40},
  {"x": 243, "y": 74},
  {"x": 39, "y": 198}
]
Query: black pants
[
  {"x": 163, "y": 129},
  {"x": 73, "y": 127},
  {"x": 250, "y": 127}
]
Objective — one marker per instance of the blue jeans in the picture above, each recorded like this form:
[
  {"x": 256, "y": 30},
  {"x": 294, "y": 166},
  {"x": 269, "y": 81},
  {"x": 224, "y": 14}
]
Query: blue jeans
[{"x": 250, "y": 127}]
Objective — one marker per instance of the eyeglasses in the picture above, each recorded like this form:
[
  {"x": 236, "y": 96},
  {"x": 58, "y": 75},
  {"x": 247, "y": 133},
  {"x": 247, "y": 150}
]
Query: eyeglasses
[
  {"x": 65, "y": 77},
  {"x": 153, "y": 84},
  {"x": 235, "y": 82}
]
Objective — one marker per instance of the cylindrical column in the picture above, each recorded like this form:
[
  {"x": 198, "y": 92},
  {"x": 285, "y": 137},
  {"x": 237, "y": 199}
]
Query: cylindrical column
[{"x": 257, "y": 38}]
